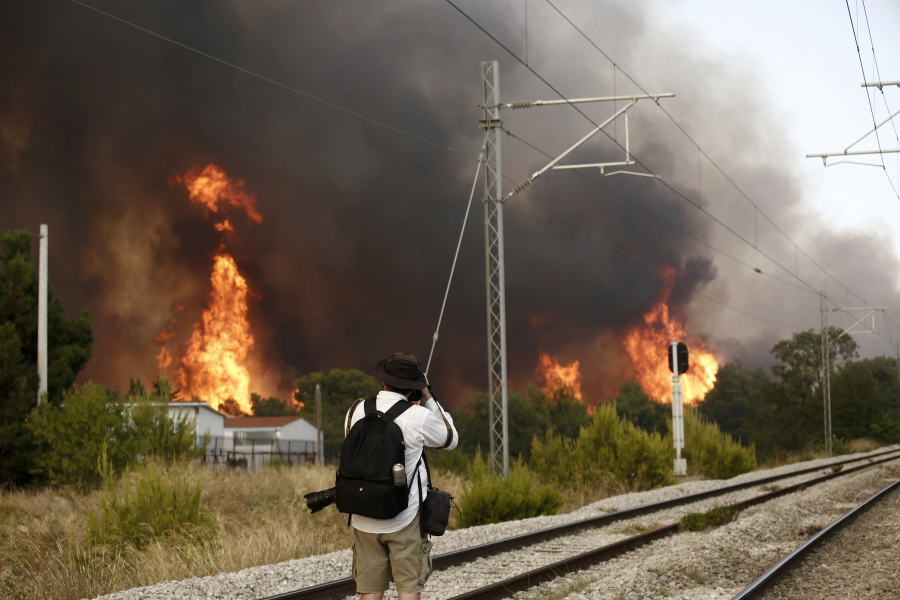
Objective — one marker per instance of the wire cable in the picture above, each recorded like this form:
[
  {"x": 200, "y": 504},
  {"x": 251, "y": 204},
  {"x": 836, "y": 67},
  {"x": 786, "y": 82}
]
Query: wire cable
[
  {"x": 878, "y": 77},
  {"x": 275, "y": 82},
  {"x": 434, "y": 338},
  {"x": 868, "y": 97},
  {"x": 662, "y": 220},
  {"x": 666, "y": 184},
  {"x": 654, "y": 269}
]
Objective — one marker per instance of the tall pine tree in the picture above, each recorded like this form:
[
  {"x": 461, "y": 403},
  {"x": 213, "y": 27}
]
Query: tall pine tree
[{"x": 68, "y": 351}]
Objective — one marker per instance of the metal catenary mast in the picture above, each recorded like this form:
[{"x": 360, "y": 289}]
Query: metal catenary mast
[
  {"x": 826, "y": 351},
  {"x": 496, "y": 287},
  {"x": 493, "y": 232}
]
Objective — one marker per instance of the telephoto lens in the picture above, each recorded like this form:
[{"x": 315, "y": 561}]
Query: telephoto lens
[
  {"x": 317, "y": 501},
  {"x": 399, "y": 474}
]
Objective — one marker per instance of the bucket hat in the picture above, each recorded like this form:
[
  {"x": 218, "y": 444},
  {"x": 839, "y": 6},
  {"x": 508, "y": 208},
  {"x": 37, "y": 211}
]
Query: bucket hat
[{"x": 401, "y": 371}]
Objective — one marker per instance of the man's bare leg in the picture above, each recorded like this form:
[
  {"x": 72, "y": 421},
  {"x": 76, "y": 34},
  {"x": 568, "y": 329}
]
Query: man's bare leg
[{"x": 380, "y": 595}]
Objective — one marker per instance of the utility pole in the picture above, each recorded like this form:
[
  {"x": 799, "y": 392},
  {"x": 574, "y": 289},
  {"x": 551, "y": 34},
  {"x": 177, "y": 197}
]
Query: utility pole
[
  {"x": 826, "y": 373},
  {"x": 826, "y": 350},
  {"x": 42, "y": 316},
  {"x": 320, "y": 457},
  {"x": 498, "y": 418}
]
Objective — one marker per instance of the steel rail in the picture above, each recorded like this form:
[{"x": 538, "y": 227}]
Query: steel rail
[
  {"x": 508, "y": 587},
  {"x": 340, "y": 588},
  {"x": 776, "y": 573}
]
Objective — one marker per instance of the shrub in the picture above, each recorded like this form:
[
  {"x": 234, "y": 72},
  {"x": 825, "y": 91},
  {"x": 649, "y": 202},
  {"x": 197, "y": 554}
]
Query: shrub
[
  {"x": 155, "y": 505},
  {"x": 839, "y": 446},
  {"x": 159, "y": 434},
  {"x": 608, "y": 447},
  {"x": 455, "y": 461},
  {"x": 488, "y": 499},
  {"x": 712, "y": 453},
  {"x": 714, "y": 517},
  {"x": 73, "y": 435}
]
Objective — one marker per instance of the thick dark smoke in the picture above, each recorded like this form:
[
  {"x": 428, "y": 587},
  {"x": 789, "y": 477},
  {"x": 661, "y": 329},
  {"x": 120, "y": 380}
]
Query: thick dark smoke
[{"x": 360, "y": 222}]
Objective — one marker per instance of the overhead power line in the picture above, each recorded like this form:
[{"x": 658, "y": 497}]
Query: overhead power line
[
  {"x": 669, "y": 186},
  {"x": 276, "y": 83},
  {"x": 868, "y": 97}
]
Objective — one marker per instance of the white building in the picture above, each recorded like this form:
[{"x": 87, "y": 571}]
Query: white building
[
  {"x": 208, "y": 421},
  {"x": 252, "y": 441}
]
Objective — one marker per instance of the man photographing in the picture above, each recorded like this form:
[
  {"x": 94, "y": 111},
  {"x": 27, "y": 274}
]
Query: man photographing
[{"x": 395, "y": 548}]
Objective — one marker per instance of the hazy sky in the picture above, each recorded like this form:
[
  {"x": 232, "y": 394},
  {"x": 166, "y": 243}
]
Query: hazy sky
[
  {"x": 360, "y": 222},
  {"x": 803, "y": 60}
]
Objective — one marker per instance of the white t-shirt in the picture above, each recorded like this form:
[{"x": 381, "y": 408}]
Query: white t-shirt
[{"x": 422, "y": 427}]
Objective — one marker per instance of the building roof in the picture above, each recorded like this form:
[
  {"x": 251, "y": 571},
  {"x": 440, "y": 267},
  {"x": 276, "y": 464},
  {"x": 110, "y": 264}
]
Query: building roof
[{"x": 258, "y": 422}]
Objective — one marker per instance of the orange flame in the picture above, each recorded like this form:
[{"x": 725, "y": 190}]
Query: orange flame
[
  {"x": 647, "y": 345},
  {"x": 554, "y": 373},
  {"x": 211, "y": 188},
  {"x": 214, "y": 363}
]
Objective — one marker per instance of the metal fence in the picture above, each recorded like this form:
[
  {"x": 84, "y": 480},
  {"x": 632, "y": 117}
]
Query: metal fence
[{"x": 253, "y": 454}]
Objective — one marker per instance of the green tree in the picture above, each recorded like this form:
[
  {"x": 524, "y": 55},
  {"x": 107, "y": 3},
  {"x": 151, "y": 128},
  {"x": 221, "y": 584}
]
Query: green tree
[
  {"x": 69, "y": 345},
  {"x": 559, "y": 410},
  {"x": 734, "y": 400},
  {"x": 273, "y": 407},
  {"x": 865, "y": 400},
  {"x": 74, "y": 434},
  {"x": 800, "y": 358},
  {"x": 633, "y": 404},
  {"x": 339, "y": 389},
  {"x": 524, "y": 422}
]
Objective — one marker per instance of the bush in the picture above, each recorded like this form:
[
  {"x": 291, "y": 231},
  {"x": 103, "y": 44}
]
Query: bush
[
  {"x": 488, "y": 499},
  {"x": 159, "y": 434},
  {"x": 608, "y": 447},
  {"x": 714, "y": 517},
  {"x": 455, "y": 461},
  {"x": 714, "y": 454},
  {"x": 73, "y": 435},
  {"x": 156, "y": 505}
]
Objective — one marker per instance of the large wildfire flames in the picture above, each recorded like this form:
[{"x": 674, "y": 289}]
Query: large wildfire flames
[
  {"x": 647, "y": 344},
  {"x": 554, "y": 373},
  {"x": 214, "y": 366}
]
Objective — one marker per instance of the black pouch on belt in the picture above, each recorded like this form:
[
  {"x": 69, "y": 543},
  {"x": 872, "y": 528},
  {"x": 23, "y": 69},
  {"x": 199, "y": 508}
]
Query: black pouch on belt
[{"x": 434, "y": 509}]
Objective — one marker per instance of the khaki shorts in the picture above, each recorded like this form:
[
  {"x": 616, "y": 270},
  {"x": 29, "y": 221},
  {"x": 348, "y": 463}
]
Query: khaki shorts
[{"x": 403, "y": 557}]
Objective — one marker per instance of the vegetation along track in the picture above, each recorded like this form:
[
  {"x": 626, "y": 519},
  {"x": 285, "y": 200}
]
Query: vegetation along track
[
  {"x": 578, "y": 547},
  {"x": 826, "y": 566}
]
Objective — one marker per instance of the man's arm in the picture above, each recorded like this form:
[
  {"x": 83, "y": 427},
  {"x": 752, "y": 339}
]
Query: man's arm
[{"x": 439, "y": 430}]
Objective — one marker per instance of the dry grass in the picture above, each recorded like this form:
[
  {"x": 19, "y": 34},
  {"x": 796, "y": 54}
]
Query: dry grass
[
  {"x": 859, "y": 445},
  {"x": 864, "y": 445},
  {"x": 262, "y": 519}
]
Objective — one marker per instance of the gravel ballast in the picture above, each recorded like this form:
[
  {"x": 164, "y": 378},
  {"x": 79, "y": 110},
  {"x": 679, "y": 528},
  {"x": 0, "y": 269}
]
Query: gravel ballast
[
  {"x": 258, "y": 582},
  {"x": 860, "y": 561}
]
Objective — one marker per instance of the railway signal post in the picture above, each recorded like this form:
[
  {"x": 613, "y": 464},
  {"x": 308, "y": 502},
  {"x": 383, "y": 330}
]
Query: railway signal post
[{"x": 678, "y": 364}]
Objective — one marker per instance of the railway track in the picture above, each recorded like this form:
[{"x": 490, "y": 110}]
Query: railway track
[
  {"x": 579, "y": 549},
  {"x": 777, "y": 578}
]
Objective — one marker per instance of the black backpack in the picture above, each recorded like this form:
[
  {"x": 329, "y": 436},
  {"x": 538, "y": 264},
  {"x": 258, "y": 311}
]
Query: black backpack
[{"x": 364, "y": 483}]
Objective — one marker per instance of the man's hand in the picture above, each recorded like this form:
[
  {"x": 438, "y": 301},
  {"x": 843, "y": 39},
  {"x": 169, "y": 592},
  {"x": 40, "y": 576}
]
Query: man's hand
[{"x": 426, "y": 392}]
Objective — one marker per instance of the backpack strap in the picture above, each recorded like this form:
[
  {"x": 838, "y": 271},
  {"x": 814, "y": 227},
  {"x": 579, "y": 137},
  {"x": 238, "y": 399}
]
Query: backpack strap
[
  {"x": 370, "y": 406},
  {"x": 399, "y": 407},
  {"x": 419, "y": 490},
  {"x": 350, "y": 414},
  {"x": 427, "y": 470}
]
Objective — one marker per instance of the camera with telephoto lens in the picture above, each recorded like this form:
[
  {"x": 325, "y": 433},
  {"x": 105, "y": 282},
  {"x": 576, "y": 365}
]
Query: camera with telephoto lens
[{"x": 317, "y": 501}]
